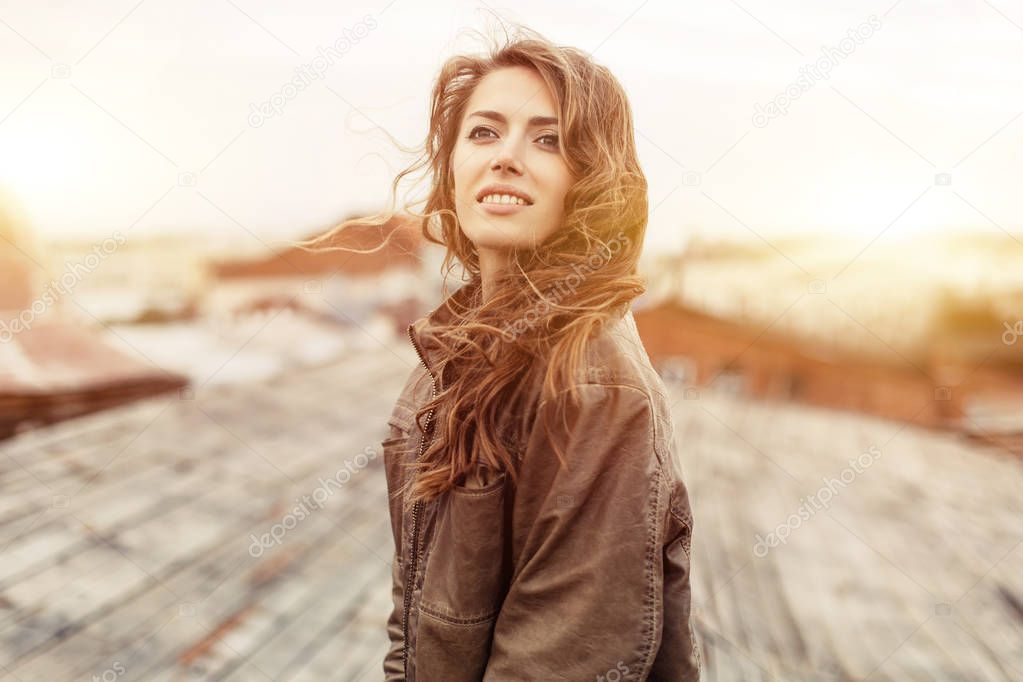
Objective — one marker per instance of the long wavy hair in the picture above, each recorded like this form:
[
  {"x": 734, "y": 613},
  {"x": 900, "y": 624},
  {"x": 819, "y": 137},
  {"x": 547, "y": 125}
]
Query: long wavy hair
[{"x": 553, "y": 297}]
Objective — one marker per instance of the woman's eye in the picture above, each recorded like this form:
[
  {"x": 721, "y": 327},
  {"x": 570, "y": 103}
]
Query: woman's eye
[
  {"x": 549, "y": 136},
  {"x": 474, "y": 136}
]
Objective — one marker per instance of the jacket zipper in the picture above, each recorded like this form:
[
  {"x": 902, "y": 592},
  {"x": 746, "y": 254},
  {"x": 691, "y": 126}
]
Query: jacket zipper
[{"x": 410, "y": 578}]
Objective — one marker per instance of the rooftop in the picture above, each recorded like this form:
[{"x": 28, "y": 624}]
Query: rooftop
[{"x": 133, "y": 539}]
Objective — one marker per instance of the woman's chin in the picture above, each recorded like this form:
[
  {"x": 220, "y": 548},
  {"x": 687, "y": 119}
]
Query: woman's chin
[{"x": 493, "y": 240}]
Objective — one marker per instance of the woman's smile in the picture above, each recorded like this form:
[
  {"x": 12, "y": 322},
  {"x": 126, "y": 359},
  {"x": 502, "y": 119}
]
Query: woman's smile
[{"x": 502, "y": 199}]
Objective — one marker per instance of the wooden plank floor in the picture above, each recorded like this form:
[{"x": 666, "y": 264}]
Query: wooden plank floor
[
  {"x": 127, "y": 546},
  {"x": 904, "y": 564}
]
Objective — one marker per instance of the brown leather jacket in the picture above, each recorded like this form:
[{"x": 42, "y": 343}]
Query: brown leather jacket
[{"x": 572, "y": 574}]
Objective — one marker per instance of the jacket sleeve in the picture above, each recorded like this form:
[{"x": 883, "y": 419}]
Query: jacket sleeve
[
  {"x": 585, "y": 597},
  {"x": 394, "y": 668},
  {"x": 679, "y": 658}
]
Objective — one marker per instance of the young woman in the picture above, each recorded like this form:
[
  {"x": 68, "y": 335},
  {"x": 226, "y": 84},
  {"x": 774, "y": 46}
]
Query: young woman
[{"x": 541, "y": 525}]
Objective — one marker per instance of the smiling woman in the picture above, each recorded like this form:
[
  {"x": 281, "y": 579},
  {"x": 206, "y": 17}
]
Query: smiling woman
[{"x": 542, "y": 529}]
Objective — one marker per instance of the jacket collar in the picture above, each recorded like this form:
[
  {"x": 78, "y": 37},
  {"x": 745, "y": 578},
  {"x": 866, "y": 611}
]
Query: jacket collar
[
  {"x": 422, "y": 330},
  {"x": 468, "y": 294}
]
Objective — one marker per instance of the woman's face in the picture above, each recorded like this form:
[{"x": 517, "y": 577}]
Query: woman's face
[{"x": 510, "y": 179}]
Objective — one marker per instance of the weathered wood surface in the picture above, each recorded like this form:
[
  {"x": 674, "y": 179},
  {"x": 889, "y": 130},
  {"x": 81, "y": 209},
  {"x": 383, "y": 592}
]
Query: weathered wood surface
[
  {"x": 910, "y": 571},
  {"x": 125, "y": 540}
]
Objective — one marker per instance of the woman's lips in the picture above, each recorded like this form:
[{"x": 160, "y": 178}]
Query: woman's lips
[{"x": 503, "y": 209}]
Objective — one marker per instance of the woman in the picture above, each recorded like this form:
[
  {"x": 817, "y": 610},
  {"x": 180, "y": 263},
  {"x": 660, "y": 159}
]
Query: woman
[{"x": 541, "y": 525}]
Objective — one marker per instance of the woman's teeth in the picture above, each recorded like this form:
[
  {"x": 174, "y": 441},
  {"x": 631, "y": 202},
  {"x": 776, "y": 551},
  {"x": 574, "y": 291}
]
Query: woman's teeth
[{"x": 503, "y": 199}]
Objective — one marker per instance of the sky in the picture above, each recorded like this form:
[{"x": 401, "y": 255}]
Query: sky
[{"x": 141, "y": 116}]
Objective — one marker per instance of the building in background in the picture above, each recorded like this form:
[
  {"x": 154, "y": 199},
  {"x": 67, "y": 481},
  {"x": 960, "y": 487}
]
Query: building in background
[
  {"x": 364, "y": 274},
  {"x": 280, "y": 307},
  {"x": 892, "y": 336},
  {"x": 129, "y": 277},
  {"x": 52, "y": 367}
]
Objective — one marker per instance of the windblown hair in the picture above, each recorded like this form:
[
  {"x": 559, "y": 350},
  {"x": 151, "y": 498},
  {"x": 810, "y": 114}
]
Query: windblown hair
[{"x": 553, "y": 296}]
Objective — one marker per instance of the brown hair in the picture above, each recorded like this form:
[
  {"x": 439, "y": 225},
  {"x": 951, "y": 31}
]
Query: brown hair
[{"x": 553, "y": 297}]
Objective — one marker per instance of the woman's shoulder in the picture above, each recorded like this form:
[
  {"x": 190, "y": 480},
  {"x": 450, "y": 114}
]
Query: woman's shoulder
[
  {"x": 616, "y": 359},
  {"x": 615, "y": 355},
  {"x": 612, "y": 358}
]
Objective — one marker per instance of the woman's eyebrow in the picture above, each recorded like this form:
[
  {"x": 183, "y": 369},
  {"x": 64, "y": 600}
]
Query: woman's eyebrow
[{"x": 500, "y": 118}]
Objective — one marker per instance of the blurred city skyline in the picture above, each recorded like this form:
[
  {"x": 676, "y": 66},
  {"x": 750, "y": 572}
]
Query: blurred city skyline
[{"x": 150, "y": 117}]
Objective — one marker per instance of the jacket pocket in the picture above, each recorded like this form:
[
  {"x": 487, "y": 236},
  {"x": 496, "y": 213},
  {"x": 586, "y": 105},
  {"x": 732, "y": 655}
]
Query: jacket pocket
[
  {"x": 398, "y": 440},
  {"x": 464, "y": 583},
  {"x": 463, "y": 576}
]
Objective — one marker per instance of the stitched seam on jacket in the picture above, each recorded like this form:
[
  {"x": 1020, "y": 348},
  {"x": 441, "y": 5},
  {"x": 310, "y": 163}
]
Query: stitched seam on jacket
[
  {"x": 437, "y": 614},
  {"x": 689, "y": 526},
  {"x": 652, "y": 598},
  {"x": 494, "y": 487},
  {"x": 402, "y": 414},
  {"x": 643, "y": 390}
]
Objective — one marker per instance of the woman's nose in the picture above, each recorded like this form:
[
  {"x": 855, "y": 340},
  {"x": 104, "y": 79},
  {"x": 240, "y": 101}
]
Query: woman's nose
[{"x": 506, "y": 160}]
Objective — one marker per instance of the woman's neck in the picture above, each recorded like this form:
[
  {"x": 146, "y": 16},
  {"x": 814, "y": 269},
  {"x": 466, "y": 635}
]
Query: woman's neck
[{"x": 492, "y": 263}]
